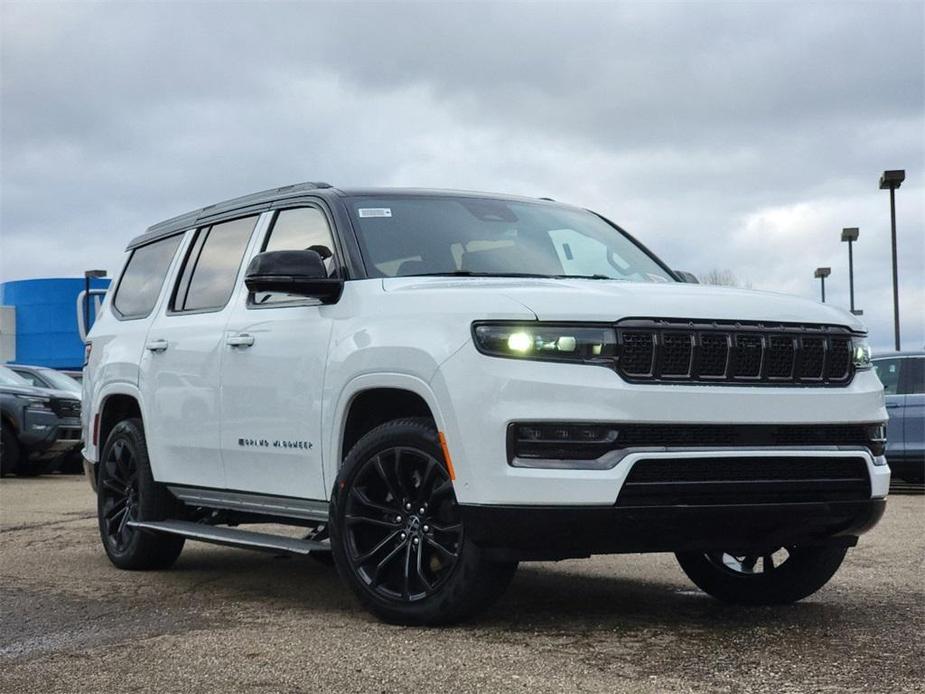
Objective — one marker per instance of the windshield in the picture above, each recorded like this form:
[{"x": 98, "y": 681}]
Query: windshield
[
  {"x": 404, "y": 236},
  {"x": 8, "y": 377},
  {"x": 61, "y": 381}
]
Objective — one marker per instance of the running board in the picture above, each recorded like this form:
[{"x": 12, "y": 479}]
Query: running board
[{"x": 233, "y": 537}]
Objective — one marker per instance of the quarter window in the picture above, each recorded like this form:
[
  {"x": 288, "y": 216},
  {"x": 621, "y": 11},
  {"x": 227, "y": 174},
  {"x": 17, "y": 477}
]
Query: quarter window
[
  {"x": 211, "y": 266},
  {"x": 143, "y": 278},
  {"x": 299, "y": 229}
]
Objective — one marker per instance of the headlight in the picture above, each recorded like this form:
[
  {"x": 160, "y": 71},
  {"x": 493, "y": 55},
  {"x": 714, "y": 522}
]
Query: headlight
[
  {"x": 37, "y": 404},
  {"x": 546, "y": 341},
  {"x": 860, "y": 353}
]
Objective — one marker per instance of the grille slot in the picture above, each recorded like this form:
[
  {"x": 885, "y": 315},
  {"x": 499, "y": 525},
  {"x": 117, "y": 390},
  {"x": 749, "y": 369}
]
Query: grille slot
[
  {"x": 744, "y": 480},
  {"x": 66, "y": 408},
  {"x": 692, "y": 351},
  {"x": 638, "y": 352}
]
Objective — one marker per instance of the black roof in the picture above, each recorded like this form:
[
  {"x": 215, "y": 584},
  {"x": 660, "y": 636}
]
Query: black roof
[{"x": 259, "y": 202}]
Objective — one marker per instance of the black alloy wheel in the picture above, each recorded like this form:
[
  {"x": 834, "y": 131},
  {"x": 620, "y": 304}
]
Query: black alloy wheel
[
  {"x": 397, "y": 534},
  {"x": 119, "y": 495},
  {"x": 402, "y": 527}
]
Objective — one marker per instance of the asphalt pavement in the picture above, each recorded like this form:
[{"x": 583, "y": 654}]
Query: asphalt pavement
[{"x": 227, "y": 620}]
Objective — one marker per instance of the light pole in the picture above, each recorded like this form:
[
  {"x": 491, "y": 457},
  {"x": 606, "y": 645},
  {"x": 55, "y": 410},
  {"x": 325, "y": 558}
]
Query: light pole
[
  {"x": 891, "y": 180},
  {"x": 850, "y": 234},
  {"x": 822, "y": 273}
]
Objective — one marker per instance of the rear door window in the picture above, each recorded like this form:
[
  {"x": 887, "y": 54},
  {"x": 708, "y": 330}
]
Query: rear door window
[
  {"x": 143, "y": 278},
  {"x": 211, "y": 266}
]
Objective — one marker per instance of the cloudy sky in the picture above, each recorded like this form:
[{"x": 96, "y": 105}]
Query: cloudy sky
[{"x": 725, "y": 136}]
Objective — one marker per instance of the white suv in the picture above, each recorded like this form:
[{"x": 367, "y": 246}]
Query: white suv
[{"x": 437, "y": 385}]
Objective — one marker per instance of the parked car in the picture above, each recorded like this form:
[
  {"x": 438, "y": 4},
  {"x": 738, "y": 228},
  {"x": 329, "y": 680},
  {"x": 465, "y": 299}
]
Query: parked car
[
  {"x": 39, "y": 425},
  {"x": 903, "y": 377},
  {"x": 44, "y": 377},
  {"x": 70, "y": 462},
  {"x": 439, "y": 385}
]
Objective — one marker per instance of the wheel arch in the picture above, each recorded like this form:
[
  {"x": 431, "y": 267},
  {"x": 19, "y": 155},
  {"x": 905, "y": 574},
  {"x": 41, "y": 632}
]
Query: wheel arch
[
  {"x": 114, "y": 407},
  {"x": 373, "y": 399}
]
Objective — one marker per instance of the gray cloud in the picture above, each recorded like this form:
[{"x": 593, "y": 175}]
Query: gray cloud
[{"x": 739, "y": 136}]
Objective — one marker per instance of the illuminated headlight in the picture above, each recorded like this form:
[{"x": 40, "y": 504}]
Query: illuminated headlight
[
  {"x": 860, "y": 353},
  {"x": 546, "y": 341}
]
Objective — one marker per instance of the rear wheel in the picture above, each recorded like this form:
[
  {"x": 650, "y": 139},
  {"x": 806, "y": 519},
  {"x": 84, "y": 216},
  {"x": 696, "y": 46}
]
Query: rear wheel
[
  {"x": 10, "y": 453},
  {"x": 127, "y": 492},
  {"x": 397, "y": 535},
  {"x": 775, "y": 577}
]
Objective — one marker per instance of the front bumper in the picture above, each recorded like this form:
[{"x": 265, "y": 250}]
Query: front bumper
[
  {"x": 481, "y": 396},
  {"x": 559, "y": 532}
]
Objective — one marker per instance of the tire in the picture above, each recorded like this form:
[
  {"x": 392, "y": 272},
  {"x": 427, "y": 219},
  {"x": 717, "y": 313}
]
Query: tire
[
  {"x": 10, "y": 451},
  {"x": 425, "y": 570},
  {"x": 737, "y": 580},
  {"x": 127, "y": 491}
]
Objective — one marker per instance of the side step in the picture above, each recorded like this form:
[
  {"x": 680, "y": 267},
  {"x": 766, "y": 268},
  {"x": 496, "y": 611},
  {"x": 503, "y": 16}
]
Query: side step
[{"x": 233, "y": 537}]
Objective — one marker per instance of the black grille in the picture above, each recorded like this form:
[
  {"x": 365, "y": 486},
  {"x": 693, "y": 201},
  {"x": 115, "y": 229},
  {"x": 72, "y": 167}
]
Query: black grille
[
  {"x": 574, "y": 441},
  {"x": 742, "y": 480},
  {"x": 66, "y": 408},
  {"x": 693, "y": 351}
]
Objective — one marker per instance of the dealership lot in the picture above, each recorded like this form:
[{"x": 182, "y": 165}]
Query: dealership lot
[{"x": 230, "y": 620}]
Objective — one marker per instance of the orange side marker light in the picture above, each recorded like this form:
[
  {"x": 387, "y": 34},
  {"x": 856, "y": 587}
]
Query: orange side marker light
[{"x": 446, "y": 455}]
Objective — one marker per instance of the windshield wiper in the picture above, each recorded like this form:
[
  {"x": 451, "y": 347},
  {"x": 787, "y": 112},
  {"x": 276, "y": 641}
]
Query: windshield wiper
[{"x": 469, "y": 273}]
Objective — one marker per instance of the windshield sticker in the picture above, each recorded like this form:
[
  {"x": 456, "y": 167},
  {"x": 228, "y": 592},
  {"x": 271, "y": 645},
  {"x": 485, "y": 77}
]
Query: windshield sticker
[{"x": 375, "y": 211}]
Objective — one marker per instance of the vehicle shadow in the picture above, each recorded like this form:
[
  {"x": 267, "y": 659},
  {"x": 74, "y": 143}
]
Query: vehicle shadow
[{"x": 542, "y": 598}]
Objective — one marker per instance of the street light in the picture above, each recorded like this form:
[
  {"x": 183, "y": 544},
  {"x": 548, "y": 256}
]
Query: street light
[
  {"x": 850, "y": 234},
  {"x": 821, "y": 274},
  {"x": 891, "y": 180}
]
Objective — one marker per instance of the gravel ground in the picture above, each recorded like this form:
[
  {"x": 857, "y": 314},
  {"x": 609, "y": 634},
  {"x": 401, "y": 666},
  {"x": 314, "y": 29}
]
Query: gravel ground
[{"x": 231, "y": 620}]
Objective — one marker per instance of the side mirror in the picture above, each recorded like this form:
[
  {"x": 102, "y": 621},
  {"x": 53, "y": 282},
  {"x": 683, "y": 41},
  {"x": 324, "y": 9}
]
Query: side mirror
[
  {"x": 688, "y": 277},
  {"x": 293, "y": 272}
]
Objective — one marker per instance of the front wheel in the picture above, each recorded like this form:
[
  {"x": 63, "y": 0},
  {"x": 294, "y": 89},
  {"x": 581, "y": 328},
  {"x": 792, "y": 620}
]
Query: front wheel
[
  {"x": 127, "y": 492},
  {"x": 397, "y": 535},
  {"x": 769, "y": 578}
]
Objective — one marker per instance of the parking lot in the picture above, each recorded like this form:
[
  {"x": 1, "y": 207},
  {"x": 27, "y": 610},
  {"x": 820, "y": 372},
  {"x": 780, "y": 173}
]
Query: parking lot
[{"x": 231, "y": 620}]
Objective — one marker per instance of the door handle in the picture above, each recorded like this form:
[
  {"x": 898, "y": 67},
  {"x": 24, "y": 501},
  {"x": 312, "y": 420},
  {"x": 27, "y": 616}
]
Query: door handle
[
  {"x": 891, "y": 405},
  {"x": 156, "y": 345},
  {"x": 242, "y": 340}
]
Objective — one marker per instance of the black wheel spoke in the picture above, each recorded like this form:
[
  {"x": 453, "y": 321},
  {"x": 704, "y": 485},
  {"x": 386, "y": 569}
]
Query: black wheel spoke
[
  {"x": 768, "y": 562},
  {"x": 427, "y": 482},
  {"x": 366, "y": 556},
  {"x": 442, "y": 490},
  {"x": 406, "y": 591},
  {"x": 420, "y": 568},
  {"x": 389, "y": 558},
  {"x": 359, "y": 519},
  {"x": 440, "y": 548},
  {"x": 389, "y": 482},
  {"x": 360, "y": 496},
  {"x": 452, "y": 528}
]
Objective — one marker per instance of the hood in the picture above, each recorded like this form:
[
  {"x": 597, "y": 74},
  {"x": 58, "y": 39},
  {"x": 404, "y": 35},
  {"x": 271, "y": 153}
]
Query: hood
[
  {"x": 39, "y": 392},
  {"x": 612, "y": 300}
]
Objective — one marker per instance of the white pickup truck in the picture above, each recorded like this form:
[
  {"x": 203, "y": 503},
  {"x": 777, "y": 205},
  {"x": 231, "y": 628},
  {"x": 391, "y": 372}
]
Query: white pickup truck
[{"x": 438, "y": 385}]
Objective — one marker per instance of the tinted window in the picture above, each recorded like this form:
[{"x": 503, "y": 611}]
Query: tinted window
[
  {"x": 888, "y": 373},
  {"x": 143, "y": 277},
  {"x": 914, "y": 375},
  {"x": 299, "y": 229},
  {"x": 31, "y": 378},
  {"x": 212, "y": 264},
  {"x": 414, "y": 235}
]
